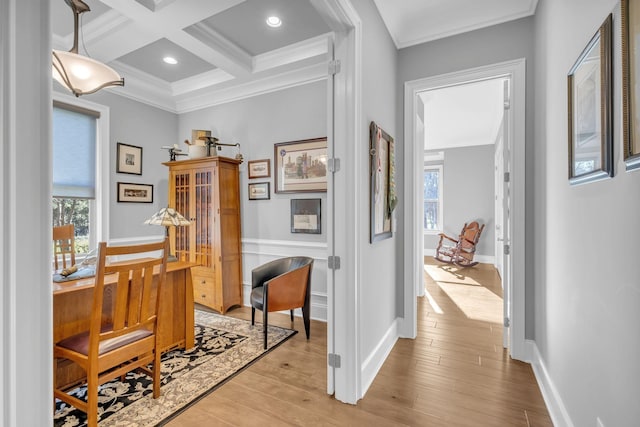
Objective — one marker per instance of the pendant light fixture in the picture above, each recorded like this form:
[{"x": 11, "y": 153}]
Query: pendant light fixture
[{"x": 80, "y": 74}]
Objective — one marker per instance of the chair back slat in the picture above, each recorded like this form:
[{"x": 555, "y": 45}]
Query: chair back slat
[
  {"x": 133, "y": 303},
  {"x": 64, "y": 247}
]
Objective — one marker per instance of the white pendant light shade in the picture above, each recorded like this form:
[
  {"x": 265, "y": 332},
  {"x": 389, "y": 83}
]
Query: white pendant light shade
[{"x": 83, "y": 75}]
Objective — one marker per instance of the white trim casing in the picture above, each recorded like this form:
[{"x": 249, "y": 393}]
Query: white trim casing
[
  {"x": 413, "y": 209},
  {"x": 26, "y": 343},
  {"x": 557, "y": 410}
]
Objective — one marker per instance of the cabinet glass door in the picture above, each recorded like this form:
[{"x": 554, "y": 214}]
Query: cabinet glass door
[
  {"x": 182, "y": 206},
  {"x": 203, "y": 226}
]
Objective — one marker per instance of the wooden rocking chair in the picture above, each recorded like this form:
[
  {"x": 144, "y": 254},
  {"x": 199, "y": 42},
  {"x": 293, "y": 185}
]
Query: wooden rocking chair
[{"x": 460, "y": 251}]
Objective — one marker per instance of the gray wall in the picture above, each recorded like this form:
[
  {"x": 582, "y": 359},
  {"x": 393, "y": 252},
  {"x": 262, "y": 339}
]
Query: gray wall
[
  {"x": 378, "y": 308},
  {"x": 468, "y": 195},
  {"x": 587, "y": 275},
  {"x": 258, "y": 123},
  {"x": 499, "y": 43}
]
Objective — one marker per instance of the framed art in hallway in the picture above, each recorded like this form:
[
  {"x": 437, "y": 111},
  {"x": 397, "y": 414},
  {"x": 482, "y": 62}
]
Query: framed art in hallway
[
  {"x": 590, "y": 99},
  {"x": 381, "y": 180},
  {"x": 630, "y": 11}
]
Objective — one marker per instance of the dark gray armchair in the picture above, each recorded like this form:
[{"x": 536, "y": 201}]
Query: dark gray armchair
[{"x": 282, "y": 284}]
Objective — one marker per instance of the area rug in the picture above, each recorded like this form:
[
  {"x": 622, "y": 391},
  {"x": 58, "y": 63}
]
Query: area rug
[{"x": 224, "y": 346}]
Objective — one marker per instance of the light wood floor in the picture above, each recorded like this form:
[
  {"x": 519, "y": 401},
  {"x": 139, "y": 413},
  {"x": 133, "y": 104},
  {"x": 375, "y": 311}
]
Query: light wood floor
[{"x": 455, "y": 373}]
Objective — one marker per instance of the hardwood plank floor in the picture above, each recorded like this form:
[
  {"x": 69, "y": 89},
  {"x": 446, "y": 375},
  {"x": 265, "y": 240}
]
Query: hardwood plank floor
[{"x": 455, "y": 373}]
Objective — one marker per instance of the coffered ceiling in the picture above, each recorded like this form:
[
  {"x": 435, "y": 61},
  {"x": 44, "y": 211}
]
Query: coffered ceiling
[{"x": 226, "y": 51}]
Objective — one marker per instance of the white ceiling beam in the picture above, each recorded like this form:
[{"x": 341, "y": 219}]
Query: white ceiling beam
[{"x": 212, "y": 46}]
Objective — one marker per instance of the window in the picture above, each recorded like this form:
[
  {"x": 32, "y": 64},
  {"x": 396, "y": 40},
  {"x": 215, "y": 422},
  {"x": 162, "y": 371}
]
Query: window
[
  {"x": 432, "y": 221},
  {"x": 78, "y": 129}
]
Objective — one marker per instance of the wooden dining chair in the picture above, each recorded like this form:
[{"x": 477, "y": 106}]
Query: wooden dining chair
[
  {"x": 64, "y": 246},
  {"x": 123, "y": 328}
]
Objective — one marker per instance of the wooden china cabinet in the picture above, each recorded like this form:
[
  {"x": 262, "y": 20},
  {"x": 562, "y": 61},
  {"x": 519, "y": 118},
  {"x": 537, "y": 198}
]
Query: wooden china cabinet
[{"x": 206, "y": 191}]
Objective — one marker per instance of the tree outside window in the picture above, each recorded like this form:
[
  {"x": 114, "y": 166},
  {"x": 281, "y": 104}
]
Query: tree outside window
[{"x": 432, "y": 220}]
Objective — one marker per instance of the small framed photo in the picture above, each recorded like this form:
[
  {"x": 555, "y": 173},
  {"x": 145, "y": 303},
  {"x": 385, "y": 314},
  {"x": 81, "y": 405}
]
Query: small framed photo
[
  {"x": 305, "y": 216},
  {"x": 259, "y": 191},
  {"x": 259, "y": 168},
  {"x": 135, "y": 193},
  {"x": 590, "y": 93},
  {"x": 129, "y": 159},
  {"x": 301, "y": 166}
]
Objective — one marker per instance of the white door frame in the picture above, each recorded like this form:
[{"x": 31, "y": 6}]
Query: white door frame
[
  {"x": 413, "y": 155},
  {"x": 343, "y": 285}
]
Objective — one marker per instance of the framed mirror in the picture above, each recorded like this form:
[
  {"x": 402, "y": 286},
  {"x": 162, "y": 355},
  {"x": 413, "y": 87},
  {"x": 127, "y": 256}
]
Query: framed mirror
[{"x": 590, "y": 110}]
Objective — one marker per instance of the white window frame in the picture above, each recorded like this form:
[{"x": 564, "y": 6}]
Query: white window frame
[
  {"x": 440, "y": 170},
  {"x": 99, "y": 221}
]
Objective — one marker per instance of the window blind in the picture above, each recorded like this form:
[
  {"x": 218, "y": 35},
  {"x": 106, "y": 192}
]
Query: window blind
[{"x": 74, "y": 153}]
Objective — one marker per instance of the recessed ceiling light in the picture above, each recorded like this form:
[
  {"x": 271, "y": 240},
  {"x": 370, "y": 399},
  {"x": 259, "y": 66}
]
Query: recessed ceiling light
[
  {"x": 170, "y": 60},
  {"x": 274, "y": 21}
]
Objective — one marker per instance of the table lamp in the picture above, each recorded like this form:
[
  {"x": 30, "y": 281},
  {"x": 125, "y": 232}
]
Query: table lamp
[{"x": 168, "y": 217}]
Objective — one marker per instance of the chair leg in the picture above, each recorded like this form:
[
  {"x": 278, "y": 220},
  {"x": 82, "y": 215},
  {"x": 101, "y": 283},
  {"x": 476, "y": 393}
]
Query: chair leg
[
  {"x": 92, "y": 401},
  {"x": 253, "y": 316},
  {"x": 265, "y": 324},
  {"x": 156, "y": 373},
  {"x": 291, "y": 315},
  {"x": 306, "y": 316}
]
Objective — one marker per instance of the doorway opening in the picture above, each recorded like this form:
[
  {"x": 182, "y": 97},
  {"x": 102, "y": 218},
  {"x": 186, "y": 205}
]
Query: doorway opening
[{"x": 512, "y": 164}]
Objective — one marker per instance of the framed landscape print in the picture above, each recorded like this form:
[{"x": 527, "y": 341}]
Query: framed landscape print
[
  {"x": 382, "y": 188},
  {"x": 129, "y": 158},
  {"x": 305, "y": 216},
  {"x": 259, "y": 191},
  {"x": 135, "y": 193},
  {"x": 259, "y": 168},
  {"x": 301, "y": 166},
  {"x": 590, "y": 90},
  {"x": 630, "y": 11}
]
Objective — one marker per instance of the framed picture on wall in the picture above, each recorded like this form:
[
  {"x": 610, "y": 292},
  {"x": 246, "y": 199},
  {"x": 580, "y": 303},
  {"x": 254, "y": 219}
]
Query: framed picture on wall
[
  {"x": 259, "y": 191},
  {"x": 590, "y": 91},
  {"x": 301, "y": 166},
  {"x": 305, "y": 216},
  {"x": 135, "y": 193},
  {"x": 630, "y": 24},
  {"x": 129, "y": 159},
  {"x": 383, "y": 199},
  {"x": 259, "y": 168}
]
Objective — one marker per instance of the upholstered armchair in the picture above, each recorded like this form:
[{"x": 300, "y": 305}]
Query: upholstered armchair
[{"x": 282, "y": 284}]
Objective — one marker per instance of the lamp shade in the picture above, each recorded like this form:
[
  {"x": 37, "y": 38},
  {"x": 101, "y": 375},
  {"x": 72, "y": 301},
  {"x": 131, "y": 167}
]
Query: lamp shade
[
  {"x": 83, "y": 75},
  {"x": 167, "y": 217}
]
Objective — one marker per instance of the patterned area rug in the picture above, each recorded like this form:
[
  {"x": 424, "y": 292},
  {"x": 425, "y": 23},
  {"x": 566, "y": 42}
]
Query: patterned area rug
[{"x": 224, "y": 346}]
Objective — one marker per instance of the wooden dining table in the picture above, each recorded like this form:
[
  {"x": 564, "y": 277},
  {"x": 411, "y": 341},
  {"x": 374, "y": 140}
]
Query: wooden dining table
[{"x": 72, "y": 305}]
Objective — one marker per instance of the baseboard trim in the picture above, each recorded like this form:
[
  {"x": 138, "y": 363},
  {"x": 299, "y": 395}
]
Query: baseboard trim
[
  {"x": 374, "y": 361},
  {"x": 557, "y": 411}
]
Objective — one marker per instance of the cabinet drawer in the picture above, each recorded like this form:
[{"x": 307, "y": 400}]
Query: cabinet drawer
[{"x": 204, "y": 288}]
